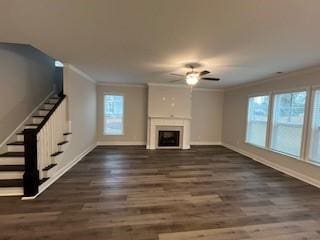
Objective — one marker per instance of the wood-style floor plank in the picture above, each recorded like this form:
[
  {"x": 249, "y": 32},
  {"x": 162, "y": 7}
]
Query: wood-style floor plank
[{"x": 208, "y": 192}]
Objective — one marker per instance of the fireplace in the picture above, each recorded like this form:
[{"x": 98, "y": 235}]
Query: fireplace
[{"x": 168, "y": 138}]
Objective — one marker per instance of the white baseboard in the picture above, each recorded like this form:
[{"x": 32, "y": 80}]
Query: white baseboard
[
  {"x": 205, "y": 143},
  {"x": 119, "y": 143},
  {"x": 4, "y": 142},
  {"x": 62, "y": 171},
  {"x": 275, "y": 166}
]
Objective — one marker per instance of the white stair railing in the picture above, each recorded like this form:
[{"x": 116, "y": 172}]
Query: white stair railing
[
  {"x": 49, "y": 136},
  {"x": 40, "y": 143}
]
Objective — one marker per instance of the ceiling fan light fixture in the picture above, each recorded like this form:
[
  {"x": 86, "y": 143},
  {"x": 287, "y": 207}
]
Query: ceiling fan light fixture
[{"x": 192, "y": 78}]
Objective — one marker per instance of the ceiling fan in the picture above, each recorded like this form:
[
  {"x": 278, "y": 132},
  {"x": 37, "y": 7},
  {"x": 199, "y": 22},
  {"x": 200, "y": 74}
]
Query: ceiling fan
[{"x": 192, "y": 77}]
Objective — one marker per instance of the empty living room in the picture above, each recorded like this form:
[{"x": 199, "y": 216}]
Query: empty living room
[{"x": 159, "y": 120}]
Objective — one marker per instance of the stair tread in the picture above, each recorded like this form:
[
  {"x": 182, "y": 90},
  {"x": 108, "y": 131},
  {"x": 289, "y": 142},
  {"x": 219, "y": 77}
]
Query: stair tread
[
  {"x": 49, "y": 167},
  {"x": 32, "y": 124},
  {"x": 11, "y": 183},
  {"x": 38, "y": 116},
  {"x": 56, "y": 154},
  {"x": 43, "y": 109},
  {"x": 67, "y": 133},
  {"x": 17, "y": 143},
  {"x": 11, "y": 168},
  {"x": 62, "y": 143},
  {"x": 43, "y": 180},
  {"x": 12, "y": 154}
]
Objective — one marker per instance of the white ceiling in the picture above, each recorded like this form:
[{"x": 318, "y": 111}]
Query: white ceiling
[{"x": 139, "y": 41}]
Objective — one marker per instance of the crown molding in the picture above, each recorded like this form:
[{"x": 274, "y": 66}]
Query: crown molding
[
  {"x": 167, "y": 85},
  {"x": 298, "y": 72},
  {"x": 208, "y": 89},
  {"x": 80, "y": 72},
  {"x": 111, "y": 84}
]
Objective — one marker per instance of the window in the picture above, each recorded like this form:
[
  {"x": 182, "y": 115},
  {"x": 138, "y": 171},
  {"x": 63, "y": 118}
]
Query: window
[
  {"x": 288, "y": 122},
  {"x": 314, "y": 154},
  {"x": 58, "y": 63},
  {"x": 257, "y": 120},
  {"x": 113, "y": 114}
]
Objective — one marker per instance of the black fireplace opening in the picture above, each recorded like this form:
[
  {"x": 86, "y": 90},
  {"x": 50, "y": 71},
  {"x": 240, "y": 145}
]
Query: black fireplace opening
[{"x": 169, "y": 139}]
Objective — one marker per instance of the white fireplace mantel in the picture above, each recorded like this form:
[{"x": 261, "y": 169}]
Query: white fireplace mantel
[{"x": 155, "y": 123}]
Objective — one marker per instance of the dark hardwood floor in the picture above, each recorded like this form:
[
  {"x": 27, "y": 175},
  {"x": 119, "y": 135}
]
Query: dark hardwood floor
[{"x": 131, "y": 193}]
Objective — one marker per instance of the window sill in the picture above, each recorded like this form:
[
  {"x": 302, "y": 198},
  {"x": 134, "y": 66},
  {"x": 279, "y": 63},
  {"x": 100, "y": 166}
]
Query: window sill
[
  {"x": 257, "y": 146},
  {"x": 275, "y": 151},
  {"x": 286, "y": 154},
  {"x": 108, "y": 134},
  {"x": 313, "y": 163}
]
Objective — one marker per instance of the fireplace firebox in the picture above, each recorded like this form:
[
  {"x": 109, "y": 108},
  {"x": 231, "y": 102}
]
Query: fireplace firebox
[{"x": 169, "y": 138}]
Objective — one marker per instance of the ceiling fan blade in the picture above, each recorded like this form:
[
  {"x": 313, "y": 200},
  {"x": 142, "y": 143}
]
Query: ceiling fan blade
[
  {"x": 175, "y": 74},
  {"x": 211, "y": 79},
  {"x": 205, "y": 72},
  {"x": 178, "y": 80}
]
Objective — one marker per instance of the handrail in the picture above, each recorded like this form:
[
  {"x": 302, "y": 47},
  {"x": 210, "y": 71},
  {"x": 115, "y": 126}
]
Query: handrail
[{"x": 47, "y": 117}]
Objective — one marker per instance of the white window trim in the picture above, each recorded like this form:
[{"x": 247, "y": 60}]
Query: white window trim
[
  {"x": 247, "y": 109},
  {"x": 123, "y": 117}
]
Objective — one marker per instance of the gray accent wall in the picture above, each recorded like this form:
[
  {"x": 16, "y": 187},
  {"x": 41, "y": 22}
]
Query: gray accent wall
[{"x": 26, "y": 79}]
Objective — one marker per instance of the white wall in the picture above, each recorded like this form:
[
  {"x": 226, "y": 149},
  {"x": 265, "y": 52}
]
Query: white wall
[
  {"x": 234, "y": 120},
  {"x": 82, "y": 111},
  {"x": 26, "y": 79},
  {"x": 207, "y": 114},
  {"x": 135, "y": 114},
  {"x": 167, "y": 101}
]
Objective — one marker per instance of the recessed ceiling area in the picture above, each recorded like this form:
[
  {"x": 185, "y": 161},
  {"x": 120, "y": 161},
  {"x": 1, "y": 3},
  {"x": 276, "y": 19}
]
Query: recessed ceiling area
[{"x": 142, "y": 41}]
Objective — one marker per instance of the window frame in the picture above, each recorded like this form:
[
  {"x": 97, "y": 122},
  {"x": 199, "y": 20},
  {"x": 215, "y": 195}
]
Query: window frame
[
  {"x": 308, "y": 159},
  {"x": 304, "y": 127},
  {"x": 262, "y": 94},
  {"x": 123, "y": 115},
  {"x": 304, "y": 152}
]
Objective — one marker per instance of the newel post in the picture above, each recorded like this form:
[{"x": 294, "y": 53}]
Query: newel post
[{"x": 31, "y": 173}]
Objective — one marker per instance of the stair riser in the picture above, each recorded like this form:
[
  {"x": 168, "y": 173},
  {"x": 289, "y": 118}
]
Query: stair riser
[
  {"x": 53, "y": 100},
  {"x": 10, "y": 175},
  {"x": 57, "y": 159},
  {"x": 37, "y": 120},
  {"x": 13, "y": 148},
  {"x": 67, "y": 137},
  {"x": 30, "y": 127},
  {"x": 11, "y": 191},
  {"x": 11, "y": 161},
  {"x": 48, "y": 106},
  {"x": 42, "y": 113},
  {"x": 62, "y": 148},
  {"x": 20, "y": 138},
  {"x": 49, "y": 173}
]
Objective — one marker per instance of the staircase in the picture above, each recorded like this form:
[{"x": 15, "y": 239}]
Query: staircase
[{"x": 49, "y": 124}]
